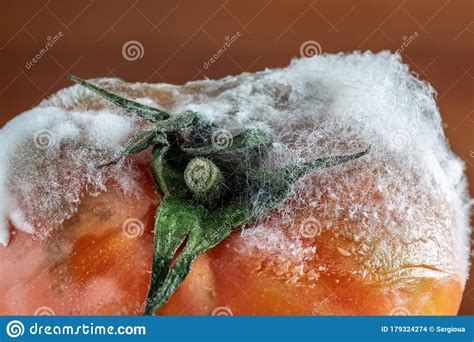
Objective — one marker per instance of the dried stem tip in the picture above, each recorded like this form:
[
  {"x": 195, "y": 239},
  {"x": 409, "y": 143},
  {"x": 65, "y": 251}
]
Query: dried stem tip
[{"x": 203, "y": 178}]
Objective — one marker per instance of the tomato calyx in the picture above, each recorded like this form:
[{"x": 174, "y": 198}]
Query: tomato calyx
[{"x": 213, "y": 182}]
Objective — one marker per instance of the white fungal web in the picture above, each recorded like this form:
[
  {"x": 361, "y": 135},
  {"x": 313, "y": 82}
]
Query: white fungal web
[
  {"x": 49, "y": 162},
  {"x": 408, "y": 196}
]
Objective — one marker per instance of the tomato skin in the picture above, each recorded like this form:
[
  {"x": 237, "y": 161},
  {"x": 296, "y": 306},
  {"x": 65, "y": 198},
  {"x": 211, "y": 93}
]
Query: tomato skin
[
  {"x": 91, "y": 267},
  {"x": 244, "y": 285}
]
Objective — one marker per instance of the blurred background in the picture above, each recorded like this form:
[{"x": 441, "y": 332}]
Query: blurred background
[{"x": 42, "y": 41}]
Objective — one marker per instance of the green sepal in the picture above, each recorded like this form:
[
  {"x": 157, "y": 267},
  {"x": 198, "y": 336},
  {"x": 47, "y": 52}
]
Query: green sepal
[
  {"x": 146, "y": 112},
  {"x": 154, "y": 134},
  {"x": 179, "y": 220},
  {"x": 274, "y": 187},
  {"x": 184, "y": 227},
  {"x": 250, "y": 138}
]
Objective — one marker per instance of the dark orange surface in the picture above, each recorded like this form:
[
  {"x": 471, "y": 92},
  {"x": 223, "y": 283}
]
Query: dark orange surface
[{"x": 178, "y": 37}]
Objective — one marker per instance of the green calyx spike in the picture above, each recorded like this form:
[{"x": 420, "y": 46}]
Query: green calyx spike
[
  {"x": 206, "y": 186},
  {"x": 149, "y": 113},
  {"x": 249, "y": 138}
]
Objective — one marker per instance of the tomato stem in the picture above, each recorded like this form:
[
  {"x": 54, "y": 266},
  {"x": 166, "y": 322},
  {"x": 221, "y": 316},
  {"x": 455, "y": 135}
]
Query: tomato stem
[
  {"x": 204, "y": 179},
  {"x": 212, "y": 183}
]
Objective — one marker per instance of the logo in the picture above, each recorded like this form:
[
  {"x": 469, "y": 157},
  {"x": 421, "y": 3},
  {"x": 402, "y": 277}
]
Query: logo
[
  {"x": 44, "y": 311},
  {"x": 222, "y": 311},
  {"x": 221, "y": 139},
  {"x": 44, "y": 139},
  {"x": 400, "y": 311},
  {"x": 400, "y": 139},
  {"x": 133, "y": 228},
  {"x": 133, "y": 50},
  {"x": 15, "y": 329},
  {"x": 310, "y": 48},
  {"x": 310, "y": 228}
]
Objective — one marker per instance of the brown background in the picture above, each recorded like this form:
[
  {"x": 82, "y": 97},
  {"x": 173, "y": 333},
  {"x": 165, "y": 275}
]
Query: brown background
[{"x": 178, "y": 37}]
